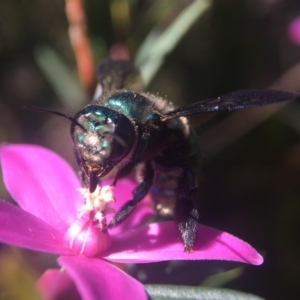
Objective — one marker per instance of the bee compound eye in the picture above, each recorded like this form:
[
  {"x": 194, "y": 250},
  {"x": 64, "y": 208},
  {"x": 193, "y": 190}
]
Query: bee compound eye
[
  {"x": 108, "y": 138},
  {"x": 123, "y": 138}
]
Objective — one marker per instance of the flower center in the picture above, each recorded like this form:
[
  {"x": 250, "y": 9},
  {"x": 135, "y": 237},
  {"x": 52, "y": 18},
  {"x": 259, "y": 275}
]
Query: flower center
[{"x": 88, "y": 235}]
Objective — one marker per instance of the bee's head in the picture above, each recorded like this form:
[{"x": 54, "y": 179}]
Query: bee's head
[{"x": 102, "y": 138}]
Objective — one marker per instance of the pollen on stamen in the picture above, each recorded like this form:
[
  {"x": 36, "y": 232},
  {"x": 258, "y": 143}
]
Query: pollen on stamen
[{"x": 88, "y": 235}]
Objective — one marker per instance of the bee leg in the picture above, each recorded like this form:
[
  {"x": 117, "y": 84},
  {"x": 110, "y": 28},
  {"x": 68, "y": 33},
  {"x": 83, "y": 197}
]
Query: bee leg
[
  {"x": 186, "y": 211},
  {"x": 138, "y": 194}
]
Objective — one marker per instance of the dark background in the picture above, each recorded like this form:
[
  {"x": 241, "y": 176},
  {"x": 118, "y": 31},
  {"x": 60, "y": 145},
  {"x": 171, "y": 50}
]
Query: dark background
[{"x": 249, "y": 185}]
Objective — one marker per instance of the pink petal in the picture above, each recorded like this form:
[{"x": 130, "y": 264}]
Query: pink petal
[
  {"x": 294, "y": 31},
  {"x": 96, "y": 279},
  {"x": 20, "y": 228},
  {"x": 42, "y": 183},
  {"x": 57, "y": 284},
  {"x": 161, "y": 242},
  {"x": 143, "y": 212},
  {"x": 122, "y": 191}
]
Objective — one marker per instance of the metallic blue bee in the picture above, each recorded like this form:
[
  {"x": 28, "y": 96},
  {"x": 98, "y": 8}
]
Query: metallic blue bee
[{"x": 125, "y": 130}]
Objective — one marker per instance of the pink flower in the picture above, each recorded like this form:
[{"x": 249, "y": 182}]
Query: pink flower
[
  {"x": 294, "y": 31},
  {"x": 44, "y": 186},
  {"x": 92, "y": 278}
]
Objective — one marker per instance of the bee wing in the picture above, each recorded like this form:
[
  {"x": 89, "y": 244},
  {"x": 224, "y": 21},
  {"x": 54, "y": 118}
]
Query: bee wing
[
  {"x": 116, "y": 75},
  {"x": 233, "y": 101}
]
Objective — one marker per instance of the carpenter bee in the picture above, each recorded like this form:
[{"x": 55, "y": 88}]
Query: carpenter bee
[{"x": 124, "y": 128}]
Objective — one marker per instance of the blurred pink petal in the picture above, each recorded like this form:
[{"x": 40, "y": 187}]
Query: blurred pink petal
[
  {"x": 56, "y": 284},
  {"x": 161, "y": 242},
  {"x": 96, "y": 279},
  {"x": 22, "y": 229},
  {"x": 294, "y": 31},
  {"x": 42, "y": 183}
]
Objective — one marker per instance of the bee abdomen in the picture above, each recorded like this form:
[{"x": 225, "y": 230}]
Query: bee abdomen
[{"x": 165, "y": 190}]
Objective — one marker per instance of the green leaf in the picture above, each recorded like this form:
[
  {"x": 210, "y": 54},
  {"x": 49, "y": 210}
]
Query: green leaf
[
  {"x": 64, "y": 82},
  {"x": 168, "y": 292},
  {"x": 219, "y": 279},
  {"x": 157, "y": 44}
]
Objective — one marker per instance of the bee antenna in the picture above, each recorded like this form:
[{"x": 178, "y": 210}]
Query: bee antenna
[{"x": 49, "y": 111}]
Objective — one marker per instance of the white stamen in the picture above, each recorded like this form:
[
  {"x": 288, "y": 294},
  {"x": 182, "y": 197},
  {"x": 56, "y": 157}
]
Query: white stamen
[{"x": 97, "y": 202}]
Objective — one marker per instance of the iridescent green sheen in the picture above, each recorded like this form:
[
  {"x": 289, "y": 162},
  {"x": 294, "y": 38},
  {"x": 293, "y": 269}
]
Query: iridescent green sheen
[
  {"x": 120, "y": 104},
  {"x": 80, "y": 137}
]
